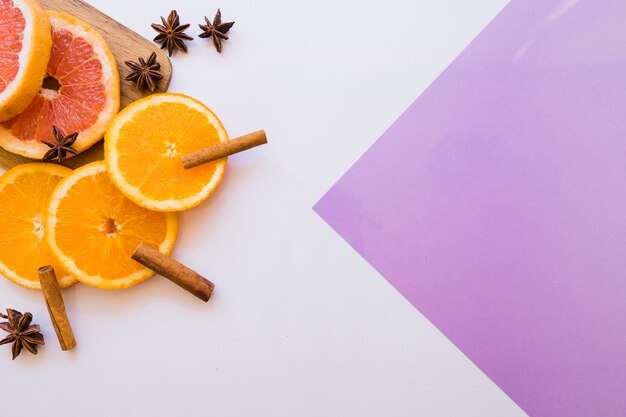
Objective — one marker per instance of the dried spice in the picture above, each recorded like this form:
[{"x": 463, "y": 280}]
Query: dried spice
[
  {"x": 171, "y": 33},
  {"x": 22, "y": 333},
  {"x": 144, "y": 73},
  {"x": 56, "y": 307},
  {"x": 63, "y": 145},
  {"x": 216, "y": 30}
]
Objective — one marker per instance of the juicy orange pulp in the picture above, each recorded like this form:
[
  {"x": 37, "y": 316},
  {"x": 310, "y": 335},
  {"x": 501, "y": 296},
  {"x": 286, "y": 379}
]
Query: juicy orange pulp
[
  {"x": 24, "y": 192},
  {"x": 93, "y": 229},
  {"x": 144, "y": 145},
  {"x": 166, "y": 178}
]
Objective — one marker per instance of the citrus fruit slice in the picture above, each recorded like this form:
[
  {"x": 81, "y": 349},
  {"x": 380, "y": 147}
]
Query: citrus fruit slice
[
  {"x": 144, "y": 144},
  {"x": 92, "y": 229},
  {"x": 80, "y": 94},
  {"x": 24, "y": 192},
  {"x": 25, "y": 43}
]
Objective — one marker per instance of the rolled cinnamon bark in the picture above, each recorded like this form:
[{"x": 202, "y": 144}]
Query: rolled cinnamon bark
[
  {"x": 223, "y": 149},
  {"x": 56, "y": 307},
  {"x": 176, "y": 272}
]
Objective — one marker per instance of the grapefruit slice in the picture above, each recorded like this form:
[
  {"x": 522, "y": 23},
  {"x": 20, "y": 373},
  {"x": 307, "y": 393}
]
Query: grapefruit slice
[
  {"x": 80, "y": 94},
  {"x": 93, "y": 230},
  {"x": 144, "y": 144},
  {"x": 25, "y": 191},
  {"x": 25, "y": 44}
]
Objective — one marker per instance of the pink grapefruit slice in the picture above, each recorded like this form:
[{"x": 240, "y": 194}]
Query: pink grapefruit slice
[
  {"x": 25, "y": 43},
  {"x": 80, "y": 94}
]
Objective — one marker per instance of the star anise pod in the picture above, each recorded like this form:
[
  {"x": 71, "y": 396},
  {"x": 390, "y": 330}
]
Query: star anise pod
[
  {"x": 145, "y": 74},
  {"x": 21, "y": 333},
  {"x": 171, "y": 34},
  {"x": 216, "y": 30},
  {"x": 63, "y": 145}
]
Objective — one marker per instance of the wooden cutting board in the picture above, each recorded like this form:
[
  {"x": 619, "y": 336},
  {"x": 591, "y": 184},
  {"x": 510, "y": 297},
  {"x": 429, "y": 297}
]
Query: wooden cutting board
[{"x": 125, "y": 45}]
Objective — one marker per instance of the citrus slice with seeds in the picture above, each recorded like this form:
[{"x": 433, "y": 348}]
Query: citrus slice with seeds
[
  {"x": 93, "y": 230},
  {"x": 144, "y": 144},
  {"x": 80, "y": 94},
  {"x": 24, "y": 192},
  {"x": 25, "y": 43}
]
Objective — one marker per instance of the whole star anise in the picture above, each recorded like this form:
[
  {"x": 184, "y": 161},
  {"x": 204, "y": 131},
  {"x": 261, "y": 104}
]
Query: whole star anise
[
  {"x": 21, "y": 333},
  {"x": 145, "y": 73},
  {"x": 63, "y": 145},
  {"x": 171, "y": 34},
  {"x": 216, "y": 30}
]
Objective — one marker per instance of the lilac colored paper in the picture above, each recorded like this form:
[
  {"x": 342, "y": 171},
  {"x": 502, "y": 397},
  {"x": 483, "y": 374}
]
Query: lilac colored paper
[{"x": 496, "y": 204}]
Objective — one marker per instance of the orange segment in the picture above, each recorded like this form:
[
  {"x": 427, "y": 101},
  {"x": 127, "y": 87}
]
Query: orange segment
[
  {"x": 93, "y": 229},
  {"x": 81, "y": 92},
  {"x": 24, "y": 192},
  {"x": 25, "y": 43},
  {"x": 144, "y": 145}
]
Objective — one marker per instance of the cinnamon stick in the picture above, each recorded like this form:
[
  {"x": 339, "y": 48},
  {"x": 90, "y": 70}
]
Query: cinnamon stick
[
  {"x": 56, "y": 307},
  {"x": 223, "y": 149},
  {"x": 176, "y": 272}
]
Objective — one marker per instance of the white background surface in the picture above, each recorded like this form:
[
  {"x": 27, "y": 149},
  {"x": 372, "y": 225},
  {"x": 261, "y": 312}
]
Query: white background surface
[{"x": 299, "y": 324}]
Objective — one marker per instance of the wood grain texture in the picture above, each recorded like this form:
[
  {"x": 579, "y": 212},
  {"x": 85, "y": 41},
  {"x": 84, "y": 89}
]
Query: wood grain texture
[{"x": 125, "y": 45}]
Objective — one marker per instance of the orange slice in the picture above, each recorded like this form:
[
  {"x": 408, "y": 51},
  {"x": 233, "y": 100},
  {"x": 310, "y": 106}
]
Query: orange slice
[
  {"x": 92, "y": 229},
  {"x": 143, "y": 148},
  {"x": 25, "y": 44},
  {"x": 24, "y": 192},
  {"x": 80, "y": 94}
]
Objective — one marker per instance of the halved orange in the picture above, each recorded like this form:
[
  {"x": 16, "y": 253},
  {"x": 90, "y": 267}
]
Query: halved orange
[
  {"x": 80, "y": 94},
  {"x": 144, "y": 144},
  {"x": 24, "y": 192},
  {"x": 25, "y": 44},
  {"x": 92, "y": 229}
]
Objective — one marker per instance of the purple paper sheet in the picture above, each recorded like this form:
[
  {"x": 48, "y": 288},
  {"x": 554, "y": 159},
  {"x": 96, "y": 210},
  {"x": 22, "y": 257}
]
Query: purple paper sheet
[{"x": 496, "y": 204}]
